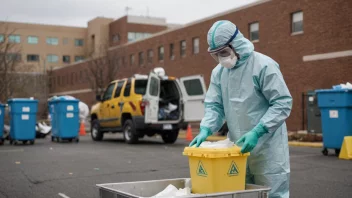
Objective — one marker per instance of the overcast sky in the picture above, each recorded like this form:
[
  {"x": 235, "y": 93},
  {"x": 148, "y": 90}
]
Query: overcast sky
[{"x": 79, "y": 12}]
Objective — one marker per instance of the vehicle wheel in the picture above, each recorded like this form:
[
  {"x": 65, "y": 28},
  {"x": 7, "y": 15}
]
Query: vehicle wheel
[
  {"x": 11, "y": 141},
  {"x": 31, "y": 142},
  {"x": 325, "y": 152},
  {"x": 170, "y": 137},
  {"x": 70, "y": 140},
  {"x": 77, "y": 140},
  {"x": 337, "y": 152},
  {"x": 1, "y": 141},
  {"x": 129, "y": 132},
  {"x": 24, "y": 141},
  {"x": 95, "y": 132},
  {"x": 52, "y": 138},
  {"x": 57, "y": 139},
  {"x": 15, "y": 142}
]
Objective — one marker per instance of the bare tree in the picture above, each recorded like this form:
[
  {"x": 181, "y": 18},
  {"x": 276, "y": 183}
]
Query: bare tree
[
  {"x": 10, "y": 63},
  {"x": 102, "y": 68}
]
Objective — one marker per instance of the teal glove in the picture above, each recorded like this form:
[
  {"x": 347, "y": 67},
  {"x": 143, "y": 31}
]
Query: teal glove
[
  {"x": 250, "y": 139},
  {"x": 201, "y": 137}
]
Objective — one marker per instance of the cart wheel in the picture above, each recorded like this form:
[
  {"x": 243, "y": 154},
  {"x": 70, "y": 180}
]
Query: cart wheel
[
  {"x": 337, "y": 152},
  {"x": 70, "y": 140},
  {"x": 15, "y": 142},
  {"x": 31, "y": 142},
  {"x": 52, "y": 139},
  {"x": 11, "y": 141},
  {"x": 24, "y": 141},
  {"x": 325, "y": 152},
  {"x": 77, "y": 140},
  {"x": 1, "y": 141},
  {"x": 57, "y": 139}
]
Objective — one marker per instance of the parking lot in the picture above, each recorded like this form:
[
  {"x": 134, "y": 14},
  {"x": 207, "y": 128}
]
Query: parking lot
[{"x": 49, "y": 169}]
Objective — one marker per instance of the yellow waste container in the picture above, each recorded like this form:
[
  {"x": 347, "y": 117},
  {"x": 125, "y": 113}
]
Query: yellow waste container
[{"x": 216, "y": 170}]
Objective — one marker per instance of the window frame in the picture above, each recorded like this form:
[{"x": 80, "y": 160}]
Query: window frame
[
  {"x": 194, "y": 46},
  {"x": 161, "y": 55},
  {"x": 49, "y": 41},
  {"x": 79, "y": 42},
  {"x": 250, "y": 31},
  {"x": 49, "y": 60},
  {"x": 293, "y": 31},
  {"x": 37, "y": 55},
  {"x": 28, "y": 37},
  {"x": 183, "y": 51}
]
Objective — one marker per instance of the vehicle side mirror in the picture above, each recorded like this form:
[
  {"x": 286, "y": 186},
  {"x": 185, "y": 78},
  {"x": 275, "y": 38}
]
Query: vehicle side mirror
[{"x": 98, "y": 98}]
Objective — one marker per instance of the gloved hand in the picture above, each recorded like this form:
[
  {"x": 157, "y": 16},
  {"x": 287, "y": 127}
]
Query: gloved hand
[
  {"x": 250, "y": 139},
  {"x": 201, "y": 137}
]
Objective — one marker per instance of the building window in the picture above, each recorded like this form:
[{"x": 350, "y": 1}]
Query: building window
[
  {"x": 195, "y": 45},
  {"x": 150, "y": 56},
  {"x": 131, "y": 59},
  {"x": 183, "y": 48},
  {"x": 66, "y": 59},
  {"x": 172, "y": 53},
  {"x": 52, "y": 41},
  {"x": 14, "y": 57},
  {"x": 133, "y": 36},
  {"x": 140, "y": 57},
  {"x": 116, "y": 38},
  {"x": 161, "y": 53},
  {"x": 2, "y": 38},
  {"x": 15, "y": 39},
  {"x": 254, "y": 31},
  {"x": 65, "y": 41},
  {"x": 79, "y": 58},
  {"x": 32, "y": 58},
  {"x": 297, "y": 22},
  {"x": 51, "y": 58},
  {"x": 32, "y": 39},
  {"x": 79, "y": 42}
]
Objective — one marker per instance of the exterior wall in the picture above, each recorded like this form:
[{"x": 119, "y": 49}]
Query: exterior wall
[
  {"x": 327, "y": 29},
  {"x": 99, "y": 29},
  {"x": 42, "y": 48},
  {"x": 122, "y": 26}
]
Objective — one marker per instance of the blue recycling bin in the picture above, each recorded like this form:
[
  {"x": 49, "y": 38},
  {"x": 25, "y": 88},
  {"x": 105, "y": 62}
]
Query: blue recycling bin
[
  {"x": 65, "y": 119},
  {"x": 23, "y": 118},
  {"x": 336, "y": 114},
  {"x": 2, "y": 118}
]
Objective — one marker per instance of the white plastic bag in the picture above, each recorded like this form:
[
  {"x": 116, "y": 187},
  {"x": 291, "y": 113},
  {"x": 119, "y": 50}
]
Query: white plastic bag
[
  {"x": 219, "y": 144},
  {"x": 171, "y": 191}
]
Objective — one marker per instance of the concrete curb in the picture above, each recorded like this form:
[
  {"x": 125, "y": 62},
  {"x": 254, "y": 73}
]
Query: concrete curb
[{"x": 290, "y": 143}]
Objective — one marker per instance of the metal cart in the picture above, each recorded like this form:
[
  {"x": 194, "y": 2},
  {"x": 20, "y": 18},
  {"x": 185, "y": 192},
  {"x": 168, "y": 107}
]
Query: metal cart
[{"x": 143, "y": 189}]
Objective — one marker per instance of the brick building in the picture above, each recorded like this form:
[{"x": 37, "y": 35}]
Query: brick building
[{"x": 311, "y": 40}]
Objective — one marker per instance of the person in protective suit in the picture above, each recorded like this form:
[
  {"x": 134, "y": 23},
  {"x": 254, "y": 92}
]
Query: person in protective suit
[{"x": 248, "y": 90}]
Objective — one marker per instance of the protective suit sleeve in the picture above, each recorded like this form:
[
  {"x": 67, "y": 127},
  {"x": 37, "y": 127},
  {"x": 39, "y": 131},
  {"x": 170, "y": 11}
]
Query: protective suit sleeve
[
  {"x": 274, "y": 89},
  {"x": 214, "y": 110}
]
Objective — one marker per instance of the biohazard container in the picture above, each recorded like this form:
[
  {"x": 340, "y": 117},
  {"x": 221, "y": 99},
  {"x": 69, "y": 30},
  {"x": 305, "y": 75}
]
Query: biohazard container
[{"x": 216, "y": 170}]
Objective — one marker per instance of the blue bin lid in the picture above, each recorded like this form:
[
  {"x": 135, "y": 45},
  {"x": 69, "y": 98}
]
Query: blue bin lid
[
  {"x": 22, "y": 100},
  {"x": 332, "y": 90},
  {"x": 59, "y": 99}
]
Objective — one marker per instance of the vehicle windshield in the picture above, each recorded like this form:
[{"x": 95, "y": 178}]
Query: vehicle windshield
[{"x": 140, "y": 86}]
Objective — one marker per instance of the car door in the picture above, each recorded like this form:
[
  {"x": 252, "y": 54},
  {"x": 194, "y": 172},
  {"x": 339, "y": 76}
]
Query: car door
[
  {"x": 152, "y": 98},
  {"x": 105, "y": 105},
  {"x": 116, "y": 106},
  {"x": 193, "y": 95}
]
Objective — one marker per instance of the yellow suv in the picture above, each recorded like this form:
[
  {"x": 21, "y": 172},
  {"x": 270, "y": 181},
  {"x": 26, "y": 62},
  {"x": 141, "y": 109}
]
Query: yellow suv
[{"x": 148, "y": 105}]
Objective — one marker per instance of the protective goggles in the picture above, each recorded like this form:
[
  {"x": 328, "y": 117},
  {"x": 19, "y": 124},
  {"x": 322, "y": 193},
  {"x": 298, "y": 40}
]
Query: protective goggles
[{"x": 225, "y": 50}]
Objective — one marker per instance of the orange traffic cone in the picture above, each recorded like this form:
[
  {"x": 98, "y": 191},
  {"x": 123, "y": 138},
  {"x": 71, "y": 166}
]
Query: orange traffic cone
[
  {"x": 82, "y": 130},
  {"x": 189, "y": 135}
]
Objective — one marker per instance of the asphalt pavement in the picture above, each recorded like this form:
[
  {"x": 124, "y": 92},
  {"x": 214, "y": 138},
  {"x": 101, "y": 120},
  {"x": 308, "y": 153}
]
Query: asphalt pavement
[{"x": 72, "y": 170}]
